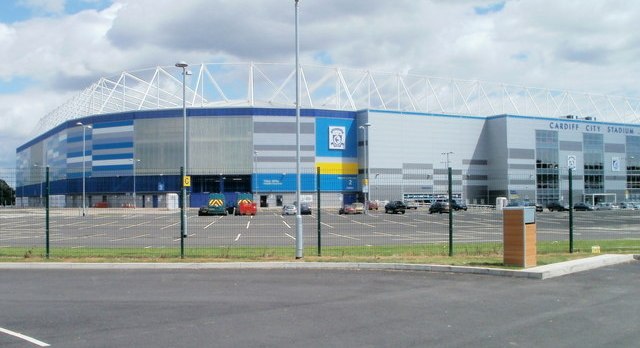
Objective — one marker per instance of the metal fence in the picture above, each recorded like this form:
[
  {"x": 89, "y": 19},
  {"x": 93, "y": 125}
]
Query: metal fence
[{"x": 140, "y": 216}]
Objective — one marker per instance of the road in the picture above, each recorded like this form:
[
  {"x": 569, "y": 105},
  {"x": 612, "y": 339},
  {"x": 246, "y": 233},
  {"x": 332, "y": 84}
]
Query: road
[{"x": 317, "y": 308}]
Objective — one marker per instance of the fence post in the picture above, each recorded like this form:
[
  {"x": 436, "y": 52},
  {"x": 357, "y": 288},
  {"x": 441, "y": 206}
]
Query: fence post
[
  {"x": 319, "y": 224},
  {"x": 570, "y": 210},
  {"x": 450, "y": 213},
  {"x": 46, "y": 202},
  {"x": 182, "y": 210}
]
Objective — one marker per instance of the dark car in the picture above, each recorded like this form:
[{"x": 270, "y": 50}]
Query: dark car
[
  {"x": 305, "y": 209},
  {"x": 583, "y": 207},
  {"x": 439, "y": 207},
  {"x": 557, "y": 206},
  {"x": 458, "y": 205},
  {"x": 395, "y": 207}
]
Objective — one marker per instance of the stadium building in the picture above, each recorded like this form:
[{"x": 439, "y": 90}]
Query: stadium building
[{"x": 390, "y": 136}]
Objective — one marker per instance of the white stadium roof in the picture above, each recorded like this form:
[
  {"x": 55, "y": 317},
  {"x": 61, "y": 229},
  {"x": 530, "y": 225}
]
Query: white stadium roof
[{"x": 325, "y": 87}]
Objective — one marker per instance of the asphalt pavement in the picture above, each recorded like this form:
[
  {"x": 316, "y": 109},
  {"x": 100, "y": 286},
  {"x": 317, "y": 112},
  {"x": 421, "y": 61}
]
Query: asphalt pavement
[{"x": 283, "y": 307}]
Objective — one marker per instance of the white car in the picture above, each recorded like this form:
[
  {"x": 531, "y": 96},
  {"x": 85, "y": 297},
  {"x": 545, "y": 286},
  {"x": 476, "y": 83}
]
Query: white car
[{"x": 289, "y": 209}]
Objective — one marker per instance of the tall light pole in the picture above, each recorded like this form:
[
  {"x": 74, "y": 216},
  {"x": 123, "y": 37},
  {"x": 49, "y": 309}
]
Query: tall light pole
[
  {"x": 367, "y": 195},
  {"x": 299, "y": 232},
  {"x": 448, "y": 170},
  {"x": 134, "y": 160},
  {"x": 184, "y": 65},
  {"x": 84, "y": 153},
  {"x": 41, "y": 180},
  {"x": 447, "y": 154},
  {"x": 255, "y": 172}
]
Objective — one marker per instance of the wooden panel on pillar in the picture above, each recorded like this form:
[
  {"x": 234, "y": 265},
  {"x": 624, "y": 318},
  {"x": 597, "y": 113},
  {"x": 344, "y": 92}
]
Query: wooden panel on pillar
[{"x": 519, "y": 239}]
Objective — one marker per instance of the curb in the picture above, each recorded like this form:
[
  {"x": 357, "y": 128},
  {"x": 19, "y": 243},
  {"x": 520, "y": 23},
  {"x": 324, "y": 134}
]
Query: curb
[{"x": 539, "y": 272}]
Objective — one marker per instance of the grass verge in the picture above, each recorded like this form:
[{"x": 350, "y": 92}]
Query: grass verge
[{"x": 475, "y": 254}]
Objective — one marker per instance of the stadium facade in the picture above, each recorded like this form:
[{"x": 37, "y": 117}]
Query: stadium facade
[{"x": 499, "y": 140}]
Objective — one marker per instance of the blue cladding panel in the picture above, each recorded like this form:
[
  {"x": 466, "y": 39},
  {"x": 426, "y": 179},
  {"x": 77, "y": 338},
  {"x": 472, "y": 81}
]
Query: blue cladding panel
[
  {"x": 322, "y": 137},
  {"x": 276, "y": 182},
  {"x": 118, "y": 167},
  {"x": 113, "y": 156},
  {"x": 113, "y": 146}
]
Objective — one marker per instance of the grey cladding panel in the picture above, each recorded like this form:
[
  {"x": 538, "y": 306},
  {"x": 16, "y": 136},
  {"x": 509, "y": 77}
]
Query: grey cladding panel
[
  {"x": 283, "y": 127},
  {"x": 277, "y": 159},
  {"x": 615, "y": 178},
  {"x": 522, "y": 154},
  {"x": 570, "y": 146},
  {"x": 386, "y": 171},
  {"x": 416, "y": 176},
  {"x": 417, "y": 166},
  {"x": 438, "y": 171},
  {"x": 614, "y": 148},
  {"x": 476, "y": 162},
  {"x": 284, "y": 147},
  {"x": 521, "y": 166}
]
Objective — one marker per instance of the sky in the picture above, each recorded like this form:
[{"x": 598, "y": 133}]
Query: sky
[{"x": 52, "y": 49}]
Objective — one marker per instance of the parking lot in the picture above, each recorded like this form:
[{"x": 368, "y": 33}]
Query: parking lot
[{"x": 155, "y": 228}]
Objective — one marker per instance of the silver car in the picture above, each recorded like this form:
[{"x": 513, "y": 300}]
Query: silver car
[{"x": 289, "y": 209}]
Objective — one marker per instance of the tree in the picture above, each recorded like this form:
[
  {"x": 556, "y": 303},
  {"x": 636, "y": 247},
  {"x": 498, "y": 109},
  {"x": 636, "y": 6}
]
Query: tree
[{"x": 7, "y": 194}]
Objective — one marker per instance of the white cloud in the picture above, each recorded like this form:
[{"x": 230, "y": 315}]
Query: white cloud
[{"x": 578, "y": 45}]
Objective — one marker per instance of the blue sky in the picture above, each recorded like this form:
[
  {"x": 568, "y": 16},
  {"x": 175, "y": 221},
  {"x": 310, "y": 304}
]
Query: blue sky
[
  {"x": 12, "y": 11},
  {"x": 59, "y": 47}
]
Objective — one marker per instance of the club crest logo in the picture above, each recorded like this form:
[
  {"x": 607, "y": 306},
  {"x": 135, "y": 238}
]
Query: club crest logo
[{"x": 337, "y": 138}]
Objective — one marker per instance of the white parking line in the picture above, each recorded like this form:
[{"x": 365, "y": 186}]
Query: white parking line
[
  {"x": 213, "y": 222},
  {"x": 98, "y": 225},
  {"x": 248, "y": 223},
  {"x": 125, "y": 238},
  {"x": 162, "y": 228},
  {"x": 24, "y": 337},
  {"x": 339, "y": 235},
  {"x": 284, "y": 222},
  {"x": 322, "y": 223},
  {"x": 290, "y": 236},
  {"x": 237, "y": 237},
  {"x": 362, "y": 223},
  {"x": 142, "y": 223}
]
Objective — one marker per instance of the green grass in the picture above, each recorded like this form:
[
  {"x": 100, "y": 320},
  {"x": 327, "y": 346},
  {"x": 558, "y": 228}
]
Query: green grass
[{"x": 474, "y": 254}]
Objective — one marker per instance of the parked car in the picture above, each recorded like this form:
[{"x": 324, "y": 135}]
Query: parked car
[
  {"x": 519, "y": 203},
  {"x": 395, "y": 207},
  {"x": 305, "y": 209},
  {"x": 606, "y": 206},
  {"x": 289, "y": 209},
  {"x": 581, "y": 206},
  {"x": 411, "y": 204},
  {"x": 439, "y": 207},
  {"x": 347, "y": 209},
  {"x": 627, "y": 205},
  {"x": 458, "y": 205},
  {"x": 373, "y": 205},
  {"x": 557, "y": 206},
  {"x": 358, "y": 208}
]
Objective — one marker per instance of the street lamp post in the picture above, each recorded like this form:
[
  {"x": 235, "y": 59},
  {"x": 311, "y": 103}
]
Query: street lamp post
[
  {"x": 365, "y": 128},
  {"x": 255, "y": 173},
  {"x": 299, "y": 231},
  {"x": 134, "y": 160},
  {"x": 84, "y": 153},
  {"x": 184, "y": 65},
  {"x": 41, "y": 180}
]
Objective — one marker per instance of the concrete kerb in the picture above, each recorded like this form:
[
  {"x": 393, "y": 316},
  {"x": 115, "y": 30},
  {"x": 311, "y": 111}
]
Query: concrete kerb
[{"x": 540, "y": 272}]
